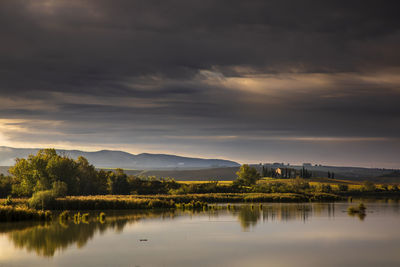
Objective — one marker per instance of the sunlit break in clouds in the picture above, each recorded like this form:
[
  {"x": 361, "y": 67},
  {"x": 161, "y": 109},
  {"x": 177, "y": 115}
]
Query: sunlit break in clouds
[{"x": 251, "y": 81}]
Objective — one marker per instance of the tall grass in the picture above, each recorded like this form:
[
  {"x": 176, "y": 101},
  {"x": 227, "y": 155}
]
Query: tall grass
[
  {"x": 123, "y": 202},
  {"x": 104, "y": 203},
  {"x": 12, "y": 214}
]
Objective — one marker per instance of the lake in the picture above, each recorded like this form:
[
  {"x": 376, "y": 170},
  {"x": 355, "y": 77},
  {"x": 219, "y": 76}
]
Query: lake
[{"x": 274, "y": 234}]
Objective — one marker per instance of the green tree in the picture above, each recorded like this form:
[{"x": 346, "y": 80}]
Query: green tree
[
  {"x": 118, "y": 182},
  {"x": 87, "y": 177},
  {"x": 247, "y": 175},
  {"x": 39, "y": 172},
  {"x": 60, "y": 189},
  {"x": 64, "y": 169},
  {"x": 102, "y": 182},
  {"x": 5, "y": 185},
  {"x": 31, "y": 174}
]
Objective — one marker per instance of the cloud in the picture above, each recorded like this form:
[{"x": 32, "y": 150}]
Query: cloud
[{"x": 215, "y": 77}]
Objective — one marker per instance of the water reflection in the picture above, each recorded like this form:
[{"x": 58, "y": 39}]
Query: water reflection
[
  {"x": 250, "y": 215},
  {"x": 360, "y": 216},
  {"x": 46, "y": 239}
]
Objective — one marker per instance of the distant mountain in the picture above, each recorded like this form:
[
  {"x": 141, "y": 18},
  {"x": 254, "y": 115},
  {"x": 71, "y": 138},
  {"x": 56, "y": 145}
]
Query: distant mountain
[{"x": 121, "y": 159}]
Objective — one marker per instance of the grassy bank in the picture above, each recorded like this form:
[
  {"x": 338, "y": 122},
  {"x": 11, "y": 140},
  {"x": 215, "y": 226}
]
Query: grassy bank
[
  {"x": 110, "y": 203},
  {"x": 20, "y": 212},
  {"x": 247, "y": 197},
  {"x": 12, "y": 214},
  {"x": 193, "y": 195},
  {"x": 124, "y": 202}
]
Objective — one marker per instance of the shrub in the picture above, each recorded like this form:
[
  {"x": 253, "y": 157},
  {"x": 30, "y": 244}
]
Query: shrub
[
  {"x": 343, "y": 187},
  {"x": 395, "y": 188},
  {"x": 368, "y": 186},
  {"x": 42, "y": 200},
  {"x": 324, "y": 188},
  {"x": 8, "y": 201}
]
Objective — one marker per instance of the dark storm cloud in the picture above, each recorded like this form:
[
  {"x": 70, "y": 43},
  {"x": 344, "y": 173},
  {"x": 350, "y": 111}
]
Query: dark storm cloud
[
  {"x": 81, "y": 42},
  {"x": 184, "y": 73}
]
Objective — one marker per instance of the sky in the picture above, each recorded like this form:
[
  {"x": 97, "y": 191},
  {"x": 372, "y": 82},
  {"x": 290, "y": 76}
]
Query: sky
[{"x": 251, "y": 81}]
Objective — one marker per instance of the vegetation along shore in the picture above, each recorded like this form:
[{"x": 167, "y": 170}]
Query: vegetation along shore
[{"x": 48, "y": 181}]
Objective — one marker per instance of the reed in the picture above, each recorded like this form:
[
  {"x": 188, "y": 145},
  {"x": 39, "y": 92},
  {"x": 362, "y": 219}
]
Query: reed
[
  {"x": 85, "y": 218},
  {"x": 189, "y": 201},
  {"x": 102, "y": 217},
  {"x": 77, "y": 218},
  {"x": 65, "y": 215},
  {"x": 101, "y": 203},
  {"x": 12, "y": 214}
]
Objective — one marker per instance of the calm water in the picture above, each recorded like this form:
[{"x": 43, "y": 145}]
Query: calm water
[{"x": 273, "y": 235}]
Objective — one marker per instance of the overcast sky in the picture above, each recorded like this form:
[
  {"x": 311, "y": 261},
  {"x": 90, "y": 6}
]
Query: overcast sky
[{"x": 252, "y": 81}]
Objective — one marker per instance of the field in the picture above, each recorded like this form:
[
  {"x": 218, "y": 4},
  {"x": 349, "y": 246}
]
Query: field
[
  {"x": 334, "y": 183},
  {"x": 312, "y": 181}
]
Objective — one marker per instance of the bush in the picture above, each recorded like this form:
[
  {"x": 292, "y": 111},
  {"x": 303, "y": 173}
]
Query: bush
[
  {"x": 343, "y": 187},
  {"x": 42, "y": 200},
  {"x": 8, "y": 201},
  {"x": 368, "y": 186},
  {"x": 202, "y": 188},
  {"x": 324, "y": 188}
]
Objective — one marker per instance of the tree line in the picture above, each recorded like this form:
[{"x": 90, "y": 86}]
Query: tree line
[
  {"x": 286, "y": 173},
  {"x": 49, "y": 171},
  {"x": 48, "y": 175}
]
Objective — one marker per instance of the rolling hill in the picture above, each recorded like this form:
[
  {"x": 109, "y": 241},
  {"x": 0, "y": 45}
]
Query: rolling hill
[{"x": 121, "y": 159}]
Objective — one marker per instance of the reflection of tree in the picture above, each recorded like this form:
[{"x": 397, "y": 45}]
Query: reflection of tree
[
  {"x": 248, "y": 216},
  {"x": 360, "y": 215},
  {"x": 45, "y": 240}
]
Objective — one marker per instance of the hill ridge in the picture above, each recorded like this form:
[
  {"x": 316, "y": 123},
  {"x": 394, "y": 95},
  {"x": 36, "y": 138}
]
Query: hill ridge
[{"x": 122, "y": 159}]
